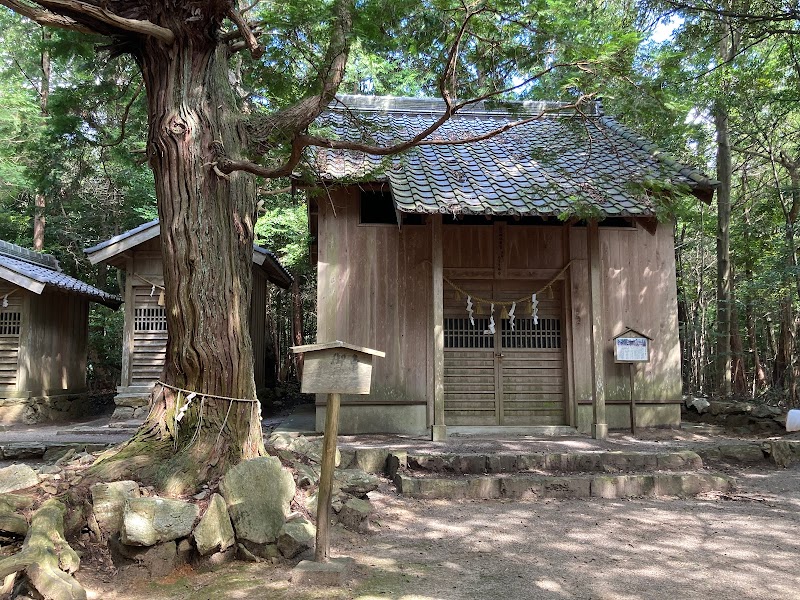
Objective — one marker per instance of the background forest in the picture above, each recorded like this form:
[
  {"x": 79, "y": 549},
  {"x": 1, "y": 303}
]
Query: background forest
[{"x": 714, "y": 84}]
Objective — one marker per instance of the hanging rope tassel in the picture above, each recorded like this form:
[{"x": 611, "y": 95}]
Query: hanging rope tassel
[{"x": 491, "y": 329}]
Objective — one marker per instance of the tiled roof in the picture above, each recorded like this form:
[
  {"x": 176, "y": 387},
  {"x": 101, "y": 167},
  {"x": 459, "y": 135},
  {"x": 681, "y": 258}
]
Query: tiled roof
[
  {"x": 560, "y": 163},
  {"x": 44, "y": 269},
  {"x": 276, "y": 272}
]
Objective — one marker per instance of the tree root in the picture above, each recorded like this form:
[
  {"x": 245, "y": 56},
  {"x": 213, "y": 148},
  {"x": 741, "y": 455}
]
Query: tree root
[{"x": 46, "y": 559}]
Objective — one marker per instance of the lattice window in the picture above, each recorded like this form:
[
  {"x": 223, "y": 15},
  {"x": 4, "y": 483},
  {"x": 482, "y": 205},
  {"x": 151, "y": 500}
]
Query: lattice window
[
  {"x": 150, "y": 319},
  {"x": 10, "y": 322},
  {"x": 458, "y": 333},
  {"x": 547, "y": 334}
]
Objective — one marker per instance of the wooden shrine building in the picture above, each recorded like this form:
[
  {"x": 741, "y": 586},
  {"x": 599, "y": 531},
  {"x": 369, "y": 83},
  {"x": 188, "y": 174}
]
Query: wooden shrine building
[
  {"x": 44, "y": 332},
  {"x": 495, "y": 274},
  {"x": 138, "y": 253}
]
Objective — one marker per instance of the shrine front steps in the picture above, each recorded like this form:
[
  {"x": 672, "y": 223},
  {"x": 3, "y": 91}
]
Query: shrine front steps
[{"x": 554, "y": 475}]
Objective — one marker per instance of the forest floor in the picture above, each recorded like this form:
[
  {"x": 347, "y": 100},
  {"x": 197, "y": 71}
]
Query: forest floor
[{"x": 733, "y": 546}]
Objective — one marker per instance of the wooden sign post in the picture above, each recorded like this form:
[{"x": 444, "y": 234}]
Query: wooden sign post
[
  {"x": 334, "y": 368},
  {"x": 632, "y": 347}
]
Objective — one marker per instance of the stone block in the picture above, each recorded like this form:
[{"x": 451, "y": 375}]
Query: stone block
[
  {"x": 23, "y": 450},
  {"x": 150, "y": 521},
  {"x": 565, "y": 462},
  {"x": 306, "y": 474},
  {"x": 355, "y": 481},
  {"x": 690, "y": 484},
  {"x": 17, "y": 477},
  {"x": 431, "y": 487},
  {"x": 428, "y": 462},
  {"x": 333, "y": 573},
  {"x": 566, "y": 487},
  {"x": 257, "y": 493},
  {"x": 248, "y": 550},
  {"x": 676, "y": 461},
  {"x": 483, "y": 488},
  {"x": 522, "y": 486},
  {"x": 122, "y": 413},
  {"x": 297, "y": 536},
  {"x": 782, "y": 453},
  {"x": 354, "y": 514},
  {"x": 371, "y": 460},
  {"x": 311, "y": 447},
  {"x": 501, "y": 463},
  {"x": 214, "y": 532},
  {"x": 158, "y": 561},
  {"x": 468, "y": 464},
  {"x": 348, "y": 459},
  {"x": 108, "y": 503},
  {"x": 588, "y": 462},
  {"x": 55, "y": 452},
  {"x": 745, "y": 453},
  {"x": 621, "y": 486},
  {"x": 531, "y": 462}
]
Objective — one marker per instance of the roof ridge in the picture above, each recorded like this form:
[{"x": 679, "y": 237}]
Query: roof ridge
[
  {"x": 37, "y": 258},
  {"x": 420, "y": 105}
]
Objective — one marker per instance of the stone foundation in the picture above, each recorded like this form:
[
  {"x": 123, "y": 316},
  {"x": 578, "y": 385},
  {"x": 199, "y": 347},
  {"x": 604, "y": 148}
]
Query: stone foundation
[
  {"x": 366, "y": 418},
  {"x": 618, "y": 416},
  {"x": 132, "y": 403},
  {"x": 40, "y": 409}
]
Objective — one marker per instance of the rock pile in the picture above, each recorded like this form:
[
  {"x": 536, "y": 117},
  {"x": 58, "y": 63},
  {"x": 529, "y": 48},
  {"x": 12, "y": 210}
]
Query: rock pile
[
  {"x": 745, "y": 416},
  {"x": 249, "y": 517},
  {"x": 349, "y": 501}
]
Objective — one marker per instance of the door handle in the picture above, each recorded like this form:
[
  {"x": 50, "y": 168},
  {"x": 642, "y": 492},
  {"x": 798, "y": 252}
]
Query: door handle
[{"x": 499, "y": 355}]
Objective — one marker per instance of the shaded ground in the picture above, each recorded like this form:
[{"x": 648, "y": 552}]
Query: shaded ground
[{"x": 740, "y": 546}]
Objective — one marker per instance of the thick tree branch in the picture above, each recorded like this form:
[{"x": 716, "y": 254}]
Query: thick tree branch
[
  {"x": 247, "y": 34},
  {"x": 45, "y": 18},
  {"x": 296, "y": 118},
  {"x": 99, "y": 17}
]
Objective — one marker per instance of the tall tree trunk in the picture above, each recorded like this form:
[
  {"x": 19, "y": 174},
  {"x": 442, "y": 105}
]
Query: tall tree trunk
[
  {"x": 207, "y": 236},
  {"x": 297, "y": 324},
  {"x": 783, "y": 371},
  {"x": 738, "y": 369},
  {"x": 723, "y": 326},
  {"x": 40, "y": 203}
]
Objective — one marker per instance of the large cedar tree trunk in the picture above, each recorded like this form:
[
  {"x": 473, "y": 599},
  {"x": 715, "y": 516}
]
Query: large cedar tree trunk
[{"x": 207, "y": 222}]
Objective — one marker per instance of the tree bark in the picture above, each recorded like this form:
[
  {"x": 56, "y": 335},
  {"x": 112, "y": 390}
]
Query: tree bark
[
  {"x": 40, "y": 202},
  {"x": 207, "y": 222}
]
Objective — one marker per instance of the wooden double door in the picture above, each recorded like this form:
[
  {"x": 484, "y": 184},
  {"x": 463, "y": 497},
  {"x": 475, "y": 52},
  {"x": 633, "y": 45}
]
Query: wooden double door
[{"x": 513, "y": 376}]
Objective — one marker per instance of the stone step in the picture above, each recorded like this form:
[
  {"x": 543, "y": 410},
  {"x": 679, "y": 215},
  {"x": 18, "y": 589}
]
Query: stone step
[
  {"x": 509, "y": 486},
  {"x": 542, "y": 463}
]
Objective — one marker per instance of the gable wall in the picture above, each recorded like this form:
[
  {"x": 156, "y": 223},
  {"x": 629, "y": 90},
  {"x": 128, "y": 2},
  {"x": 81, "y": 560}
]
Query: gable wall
[
  {"x": 54, "y": 343},
  {"x": 144, "y": 352},
  {"x": 639, "y": 291},
  {"x": 374, "y": 290}
]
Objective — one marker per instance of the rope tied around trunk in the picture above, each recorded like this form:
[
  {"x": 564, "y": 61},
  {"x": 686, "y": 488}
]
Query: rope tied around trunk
[{"x": 191, "y": 395}]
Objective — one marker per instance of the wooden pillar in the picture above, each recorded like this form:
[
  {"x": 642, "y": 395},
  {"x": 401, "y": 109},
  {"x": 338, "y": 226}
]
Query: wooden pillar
[
  {"x": 438, "y": 428},
  {"x": 599, "y": 425},
  {"x": 322, "y": 548},
  {"x": 127, "y": 335}
]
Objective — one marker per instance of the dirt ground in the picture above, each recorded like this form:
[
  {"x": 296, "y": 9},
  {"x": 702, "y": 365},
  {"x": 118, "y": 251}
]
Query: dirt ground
[{"x": 738, "y": 546}]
